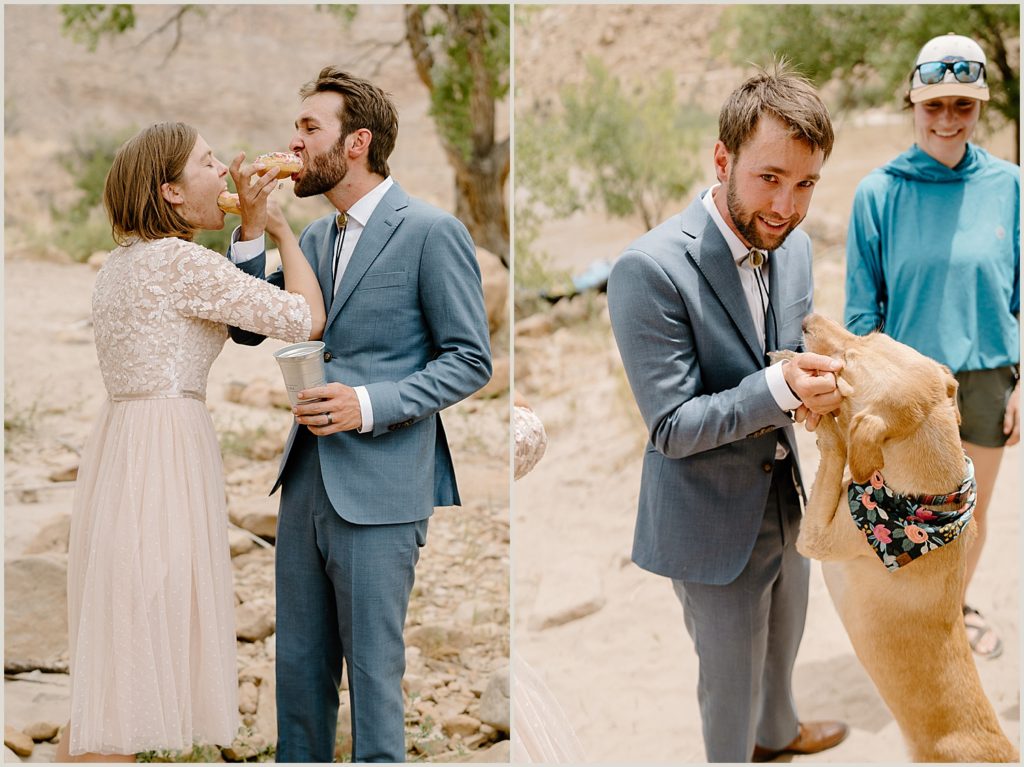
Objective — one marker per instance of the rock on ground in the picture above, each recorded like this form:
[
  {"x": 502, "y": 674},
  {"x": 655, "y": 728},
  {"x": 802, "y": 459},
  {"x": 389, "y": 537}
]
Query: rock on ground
[
  {"x": 494, "y": 703},
  {"x": 35, "y": 613},
  {"x": 20, "y": 743}
]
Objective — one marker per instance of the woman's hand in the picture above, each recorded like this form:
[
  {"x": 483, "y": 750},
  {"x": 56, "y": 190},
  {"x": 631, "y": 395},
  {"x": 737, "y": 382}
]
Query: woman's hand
[
  {"x": 1011, "y": 419},
  {"x": 252, "y": 197},
  {"x": 277, "y": 224}
]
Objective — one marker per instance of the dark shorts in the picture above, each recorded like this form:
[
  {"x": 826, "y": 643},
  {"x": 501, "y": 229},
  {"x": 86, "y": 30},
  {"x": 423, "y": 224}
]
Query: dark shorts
[{"x": 982, "y": 399}]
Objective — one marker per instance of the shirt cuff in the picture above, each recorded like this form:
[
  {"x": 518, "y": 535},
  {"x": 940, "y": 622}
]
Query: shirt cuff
[
  {"x": 245, "y": 250},
  {"x": 365, "y": 409},
  {"x": 780, "y": 390}
]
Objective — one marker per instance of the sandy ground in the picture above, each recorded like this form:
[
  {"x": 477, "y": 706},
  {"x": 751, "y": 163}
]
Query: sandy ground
[{"x": 618, "y": 658}]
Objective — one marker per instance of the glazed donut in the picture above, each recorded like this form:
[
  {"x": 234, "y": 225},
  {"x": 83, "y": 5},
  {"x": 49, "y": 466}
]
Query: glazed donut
[
  {"x": 228, "y": 202},
  {"x": 286, "y": 163}
]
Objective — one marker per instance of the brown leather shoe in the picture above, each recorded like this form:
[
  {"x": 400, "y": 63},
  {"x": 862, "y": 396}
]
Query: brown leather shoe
[{"x": 812, "y": 738}]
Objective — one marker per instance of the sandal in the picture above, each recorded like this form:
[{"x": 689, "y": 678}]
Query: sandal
[{"x": 977, "y": 630}]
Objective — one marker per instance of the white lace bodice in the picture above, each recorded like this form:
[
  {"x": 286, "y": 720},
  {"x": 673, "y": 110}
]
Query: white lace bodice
[{"x": 160, "y": 310}]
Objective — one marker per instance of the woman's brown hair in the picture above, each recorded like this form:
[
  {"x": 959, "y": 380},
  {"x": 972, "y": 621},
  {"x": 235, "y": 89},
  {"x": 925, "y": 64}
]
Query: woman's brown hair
[{"x": 131, "y": 192}]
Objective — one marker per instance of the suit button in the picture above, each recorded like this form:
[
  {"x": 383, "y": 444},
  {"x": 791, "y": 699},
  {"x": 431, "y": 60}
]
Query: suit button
[
  {"x": 767, "y": 468},
  {"x": 327, "y": 356}
]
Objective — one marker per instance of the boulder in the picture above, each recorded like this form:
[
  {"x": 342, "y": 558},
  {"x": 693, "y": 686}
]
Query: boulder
[
  {"x": 462, "y": 725},
  {"x": 248, "y": 698},
  {"x": 417, "y": 688},
  {"x": 239, "y": 542},
  {"x": 262, "y": 675},
  {"x": 256, "y": 394},
  {"x": 538, "y": 325},
  {"x": 499, "y": 753},
  {"x": 66, "y": 473},
  {"x": 257, "y": 514},
  {"x": 438, "y": 642},
  {"x": 17, "y": 741},
  {"x": 53, "y": 537},
  {"x": 495, "y": 708},
  {"x": 430, "y": 743},
  {"x": 254, "y": 620},
  {"x": 40, "y": 731},
  {"x": 36, "y": 613}
]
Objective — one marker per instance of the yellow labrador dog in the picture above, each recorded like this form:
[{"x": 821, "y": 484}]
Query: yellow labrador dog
[{"x": 896, "y": 582}]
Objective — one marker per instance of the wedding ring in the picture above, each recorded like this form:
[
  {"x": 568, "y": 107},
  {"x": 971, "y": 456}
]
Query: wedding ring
[{"x": 330, "y": 418}]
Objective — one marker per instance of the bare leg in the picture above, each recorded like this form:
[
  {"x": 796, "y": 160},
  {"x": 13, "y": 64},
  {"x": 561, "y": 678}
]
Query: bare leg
[
  {"x": 63, "y": 756},
  {"x": 986, "y": 469}
]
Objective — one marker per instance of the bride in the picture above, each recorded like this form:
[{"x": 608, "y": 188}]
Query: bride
[{"x": 150, "y": 594}]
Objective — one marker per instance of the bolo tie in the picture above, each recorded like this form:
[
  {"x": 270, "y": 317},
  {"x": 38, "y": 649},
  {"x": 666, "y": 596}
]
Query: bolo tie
[
  {"x": 757, "y": 259},
  {"x": 342, "y": 222}
]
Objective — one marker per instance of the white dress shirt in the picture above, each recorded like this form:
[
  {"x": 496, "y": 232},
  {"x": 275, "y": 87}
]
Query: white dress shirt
[
  {"x": 358, "y": 216},
  {"x": 757, "y": 299}
]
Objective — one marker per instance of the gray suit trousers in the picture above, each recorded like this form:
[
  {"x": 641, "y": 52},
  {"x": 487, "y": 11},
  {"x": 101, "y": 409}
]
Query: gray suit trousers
[
  {"x": 747, "y": 632},
  {"x": 342, "y": 594}
]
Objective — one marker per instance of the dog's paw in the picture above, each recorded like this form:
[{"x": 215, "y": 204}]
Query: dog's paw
[
  {"x": 829, "y": 438},
  {"x": 809, "y": 544}
]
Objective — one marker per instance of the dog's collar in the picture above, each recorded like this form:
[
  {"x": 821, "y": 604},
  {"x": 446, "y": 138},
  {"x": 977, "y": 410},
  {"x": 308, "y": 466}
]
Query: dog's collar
[{"x": 901, "y": 528}]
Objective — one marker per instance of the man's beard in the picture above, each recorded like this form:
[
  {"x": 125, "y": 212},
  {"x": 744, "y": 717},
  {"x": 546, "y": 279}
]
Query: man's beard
[
  {"x": 323, "y": 173},
  {"x": 746, "y": 222}
]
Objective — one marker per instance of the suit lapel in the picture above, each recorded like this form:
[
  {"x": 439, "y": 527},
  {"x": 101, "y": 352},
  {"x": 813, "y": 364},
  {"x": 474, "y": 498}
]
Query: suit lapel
[
  {"x": 385, "y": 219},
  {"x": 711, "y": 255},
  {"x": 325, "y": 249}
]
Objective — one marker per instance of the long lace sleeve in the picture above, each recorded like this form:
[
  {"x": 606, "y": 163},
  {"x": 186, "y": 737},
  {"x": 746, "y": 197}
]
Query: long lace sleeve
[{"x": 203, "y": 284}]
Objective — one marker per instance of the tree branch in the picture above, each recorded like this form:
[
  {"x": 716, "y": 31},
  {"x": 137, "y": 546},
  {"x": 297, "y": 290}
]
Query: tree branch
[
  {"x": 416, "y": 36},
  {"x": 175, "y": 19}
]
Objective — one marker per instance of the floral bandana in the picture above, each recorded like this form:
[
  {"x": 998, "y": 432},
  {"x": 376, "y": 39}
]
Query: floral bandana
[{"x": 901, "y": 528}]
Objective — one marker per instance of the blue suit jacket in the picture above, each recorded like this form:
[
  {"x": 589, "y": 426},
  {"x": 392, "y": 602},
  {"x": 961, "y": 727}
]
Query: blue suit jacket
[
  {"x": 408, "y": 323},
  {"x": 691, "y": 355}
]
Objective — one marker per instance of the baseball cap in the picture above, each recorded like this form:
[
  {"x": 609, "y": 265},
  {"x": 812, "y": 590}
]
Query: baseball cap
[{"x": 948, "y": 49}]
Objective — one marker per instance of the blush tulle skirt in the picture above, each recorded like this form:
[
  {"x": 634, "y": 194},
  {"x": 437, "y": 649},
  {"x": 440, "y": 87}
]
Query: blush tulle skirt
[{"x": 150, "y": 593}]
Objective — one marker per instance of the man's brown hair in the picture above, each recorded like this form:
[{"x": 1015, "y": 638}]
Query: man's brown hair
[
  {"x": 363, "y": 105},
  {"x": 131, "y": 192},
  {"x": 784, "y": 94}
]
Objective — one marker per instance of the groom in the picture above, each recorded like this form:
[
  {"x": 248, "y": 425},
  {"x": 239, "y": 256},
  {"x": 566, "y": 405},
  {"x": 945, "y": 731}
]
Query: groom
[
  {"x": 695, "y": 304},
  {"x": 406, "y": 337}
]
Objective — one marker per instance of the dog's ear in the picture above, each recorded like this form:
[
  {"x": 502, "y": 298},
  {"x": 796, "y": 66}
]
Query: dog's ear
[
  {"x": 952, "y": 387},
  {"x": 868, "y": 433}
]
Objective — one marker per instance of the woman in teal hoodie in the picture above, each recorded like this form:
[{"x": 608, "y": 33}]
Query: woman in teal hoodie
[{"x": 933, "y": 260}]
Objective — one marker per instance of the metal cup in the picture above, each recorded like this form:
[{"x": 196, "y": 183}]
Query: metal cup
[{"x": 302, "y": 366}]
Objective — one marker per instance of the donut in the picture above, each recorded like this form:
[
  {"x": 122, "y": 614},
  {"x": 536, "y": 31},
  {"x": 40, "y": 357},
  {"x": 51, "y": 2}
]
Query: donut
[
  {"x": 228, "y": 203},
  {"x": 286, "y": 163}
]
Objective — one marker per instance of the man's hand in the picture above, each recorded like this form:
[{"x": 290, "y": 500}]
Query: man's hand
[
  {"x": 811, "y": 377},
  {"x": 337, "y": 411},
  {"x": 1011, "y": 419},
  {"x": 252, "y": 197}
]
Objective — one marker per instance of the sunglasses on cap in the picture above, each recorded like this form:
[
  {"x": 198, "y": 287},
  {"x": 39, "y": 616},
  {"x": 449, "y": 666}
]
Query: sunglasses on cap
[{"x": 933, "y": 72}]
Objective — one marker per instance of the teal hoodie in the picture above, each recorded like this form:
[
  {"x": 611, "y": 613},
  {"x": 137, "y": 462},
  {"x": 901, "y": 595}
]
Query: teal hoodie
[{"x": 933, "y": 257}]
